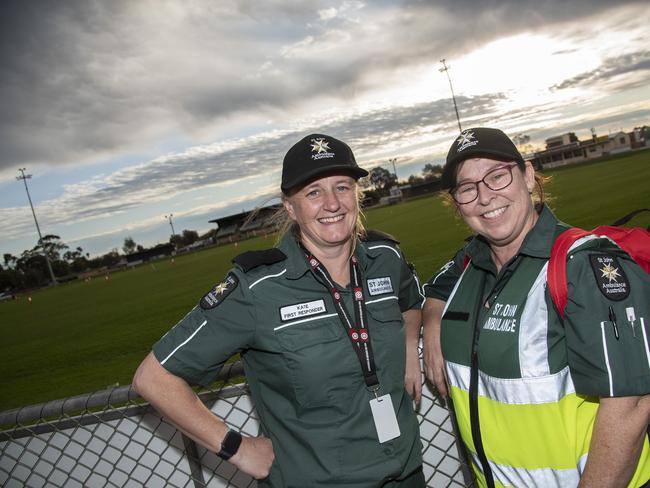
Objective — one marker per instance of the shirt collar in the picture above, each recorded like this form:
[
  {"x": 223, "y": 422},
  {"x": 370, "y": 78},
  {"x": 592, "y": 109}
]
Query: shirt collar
[{"x": 296, "y": 261}]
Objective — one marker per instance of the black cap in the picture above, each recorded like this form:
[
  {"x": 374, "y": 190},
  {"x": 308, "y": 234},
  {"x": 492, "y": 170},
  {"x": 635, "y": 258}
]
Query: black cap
[
  {"x": 475, "y": 143},
  {"x": 314, "y": 155}
]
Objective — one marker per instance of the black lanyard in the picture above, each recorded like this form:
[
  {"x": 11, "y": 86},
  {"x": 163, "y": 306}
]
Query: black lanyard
[{"x": 357, "y": 330}]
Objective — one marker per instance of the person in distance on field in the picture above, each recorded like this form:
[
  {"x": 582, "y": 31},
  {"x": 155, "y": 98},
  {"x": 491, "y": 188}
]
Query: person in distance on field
[
  {"x": 540, "y": 400},
  {"x": 327, "y": 325}
]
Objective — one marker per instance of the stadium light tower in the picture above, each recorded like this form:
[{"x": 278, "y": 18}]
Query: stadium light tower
[
  {"x": 393, "y": 160},
  {"x": 169, "y": 217},
  {"x": 25, "y": 177},
  {"x": 445, "y": 69}
]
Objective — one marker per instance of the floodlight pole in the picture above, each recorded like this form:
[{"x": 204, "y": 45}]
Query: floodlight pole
[
  {"x": 25, "y": 177},
  {"x": 392, "y": 160},
  {"x": 169, "y": 217},
  {"x": 445, "y": 69}
]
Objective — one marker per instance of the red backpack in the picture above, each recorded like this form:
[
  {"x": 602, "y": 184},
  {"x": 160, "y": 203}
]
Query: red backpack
[{"x": 634, "y": 241}]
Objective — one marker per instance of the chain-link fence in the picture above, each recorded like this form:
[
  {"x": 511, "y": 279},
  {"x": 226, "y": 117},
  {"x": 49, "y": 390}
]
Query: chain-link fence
[{"x": 112, "y": 439}]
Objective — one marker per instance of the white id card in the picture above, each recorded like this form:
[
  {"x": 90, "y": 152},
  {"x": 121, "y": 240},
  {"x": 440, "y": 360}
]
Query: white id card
[{"x": 384, "y": 416}]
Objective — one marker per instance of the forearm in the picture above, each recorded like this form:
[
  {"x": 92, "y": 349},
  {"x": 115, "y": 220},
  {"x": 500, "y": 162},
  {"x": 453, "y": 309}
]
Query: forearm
[
  {"x": 173, "y": 398},
  {"x": 412, "y": 323},
  {"x": 412, "y": 371},
  {"x": 433, "y": 360},
  {"x": 617, "y": 440},
  {"x": 431, "y": 319}
]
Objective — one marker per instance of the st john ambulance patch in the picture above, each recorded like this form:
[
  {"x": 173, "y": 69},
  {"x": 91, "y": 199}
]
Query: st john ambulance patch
[
  {"x": 218, "y": 294},
  {"x": 610, "y": 277}
]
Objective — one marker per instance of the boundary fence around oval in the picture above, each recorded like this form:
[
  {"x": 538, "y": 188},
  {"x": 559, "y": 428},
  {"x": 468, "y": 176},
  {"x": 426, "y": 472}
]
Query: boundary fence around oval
[{"x": 112, "y": 438}]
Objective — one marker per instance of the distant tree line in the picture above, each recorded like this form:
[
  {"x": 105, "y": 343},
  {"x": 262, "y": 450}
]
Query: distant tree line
[
  {"x": 379, "y": 180},
  {"x": 29, "y": 270}
]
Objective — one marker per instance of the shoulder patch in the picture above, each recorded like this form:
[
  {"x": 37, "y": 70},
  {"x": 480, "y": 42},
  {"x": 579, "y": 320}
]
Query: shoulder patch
[
  {"x": 219, "y": 293},
  {"x": 610, "y": 276},
  {"x": 377, "y": 235},
  {"x": 253, "y": 259}
]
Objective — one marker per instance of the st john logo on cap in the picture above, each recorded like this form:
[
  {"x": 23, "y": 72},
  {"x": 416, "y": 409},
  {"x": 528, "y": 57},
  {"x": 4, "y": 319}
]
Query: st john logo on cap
[
  {"x": 322, "y": 149},
  {"x": 466, "y": 139}
]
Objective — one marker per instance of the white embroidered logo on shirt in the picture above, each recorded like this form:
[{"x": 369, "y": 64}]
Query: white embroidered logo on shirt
[{"x": 378, "y": 286}]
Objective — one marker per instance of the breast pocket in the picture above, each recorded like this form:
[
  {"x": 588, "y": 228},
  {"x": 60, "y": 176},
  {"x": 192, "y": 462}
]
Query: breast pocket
[
  {"x": 314, "y": 352},
  {"x": 387, "y": 337}
]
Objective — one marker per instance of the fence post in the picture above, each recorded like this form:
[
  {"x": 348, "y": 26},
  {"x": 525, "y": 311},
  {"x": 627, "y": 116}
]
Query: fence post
[{"x": 194, "y": 462}]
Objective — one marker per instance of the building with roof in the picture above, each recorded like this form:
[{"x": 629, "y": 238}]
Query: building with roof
[
  {"x": 568, "y": 149},
  {"x": 245, "y": 224}
]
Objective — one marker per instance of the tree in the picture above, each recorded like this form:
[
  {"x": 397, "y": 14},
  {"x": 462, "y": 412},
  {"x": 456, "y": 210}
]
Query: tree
[
  {"x": 129, "y": 245},
  {"x": 9, "y": 260},
  {"x": 432, "y": 171},
  {"x": 522, "y": 141},
  {"x": 415, "y": 180},
  {"x": 76, "y": 259},
  {"x": 176, "y": 240},
  {"x": 381, "y": 178},
  {"x": 51, "y": 245},
  {"x": 189, "y": 237}
]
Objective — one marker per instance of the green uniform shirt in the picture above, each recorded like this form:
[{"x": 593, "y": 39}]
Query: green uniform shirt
[
  {"x": 539, "y": 377},
  {"x": 441, "y": 284},
  {"x": 305, "y": 379},
  {"x": 577, "y": 342}
]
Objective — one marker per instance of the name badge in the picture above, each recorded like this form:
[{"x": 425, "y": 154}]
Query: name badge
[
  {"x": 385, "y": 419},
  {"x": 379, "y": 286},
  {"x": 291, "y": 312}
]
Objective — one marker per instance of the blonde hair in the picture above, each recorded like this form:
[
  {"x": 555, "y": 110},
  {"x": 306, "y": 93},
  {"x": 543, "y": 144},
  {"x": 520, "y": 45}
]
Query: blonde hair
[{"x": 285, "y": 224}]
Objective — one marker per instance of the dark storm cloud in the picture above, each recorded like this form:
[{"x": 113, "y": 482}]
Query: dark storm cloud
[
  {"x": 610, "y": 69},
  {"x": 82, "y": 80}
]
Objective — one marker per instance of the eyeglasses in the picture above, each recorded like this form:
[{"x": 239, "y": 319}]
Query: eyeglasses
[{"x": 496, "y": 179}]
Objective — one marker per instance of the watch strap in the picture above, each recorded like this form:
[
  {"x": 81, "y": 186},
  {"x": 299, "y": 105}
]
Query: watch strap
[{"x": 230, "y": 445}]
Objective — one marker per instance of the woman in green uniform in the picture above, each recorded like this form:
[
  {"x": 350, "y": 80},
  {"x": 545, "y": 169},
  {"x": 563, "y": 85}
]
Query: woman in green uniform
[
  {"x": 327, "y": 326},
  {"x": 540, "y": 401}
]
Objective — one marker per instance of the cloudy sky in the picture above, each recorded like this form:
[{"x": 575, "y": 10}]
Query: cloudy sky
[{"x": 125, "y": 111}]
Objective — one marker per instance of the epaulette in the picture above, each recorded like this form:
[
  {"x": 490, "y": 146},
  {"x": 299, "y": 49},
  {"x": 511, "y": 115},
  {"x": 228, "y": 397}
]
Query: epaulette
[
  {"x": 253, "y": 259},
  {"x": 377, "y": 235}
]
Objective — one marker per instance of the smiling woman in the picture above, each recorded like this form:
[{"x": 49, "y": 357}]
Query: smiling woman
[
  {"x": 327, "y": 324},
  {"x": 527, "y": 385}
]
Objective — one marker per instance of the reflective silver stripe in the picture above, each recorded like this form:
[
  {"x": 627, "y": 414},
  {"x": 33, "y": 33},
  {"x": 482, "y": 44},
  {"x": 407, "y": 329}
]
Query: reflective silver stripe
[
  {"x": 267, "y": 277},
  {"x": 381, "y": 299},
  {"x": 645, "y": 341},
  {"x": 304, "y": 320},
  {"x": 542, "y": 477},
  {"x": 609, "y": 370},
  {"x": 533, "y": 331},
  {"x": 514, "y": 391},
  {"x": 587, "y": 238},
  {"x": 387, "y": 247},
  {"x": 184, "y": 342},
  {"x": 453, "y": 291}
]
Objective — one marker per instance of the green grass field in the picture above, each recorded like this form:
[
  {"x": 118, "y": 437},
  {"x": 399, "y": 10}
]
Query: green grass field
[{"x": 81, "y": 337}]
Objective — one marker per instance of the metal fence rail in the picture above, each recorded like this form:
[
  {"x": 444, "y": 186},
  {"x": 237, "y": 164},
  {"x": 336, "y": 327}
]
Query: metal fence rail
[{"x": 111, "y": 439}]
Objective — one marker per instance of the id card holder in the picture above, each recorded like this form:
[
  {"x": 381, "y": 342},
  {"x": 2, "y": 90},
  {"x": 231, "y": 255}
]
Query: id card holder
[{"x": 384, "y": 416}]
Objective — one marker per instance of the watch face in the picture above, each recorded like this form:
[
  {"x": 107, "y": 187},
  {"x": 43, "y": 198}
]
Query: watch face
[{"x": 230, "y": 445}]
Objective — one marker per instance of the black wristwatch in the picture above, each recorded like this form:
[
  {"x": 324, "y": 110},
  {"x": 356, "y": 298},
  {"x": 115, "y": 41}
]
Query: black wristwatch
[{"x": 229, "y": 445}]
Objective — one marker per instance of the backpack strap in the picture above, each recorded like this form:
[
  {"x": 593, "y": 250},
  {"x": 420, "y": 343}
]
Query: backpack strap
[
  {"x": 624, "y": 220},
  {"x": 556, "y": 272}
]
